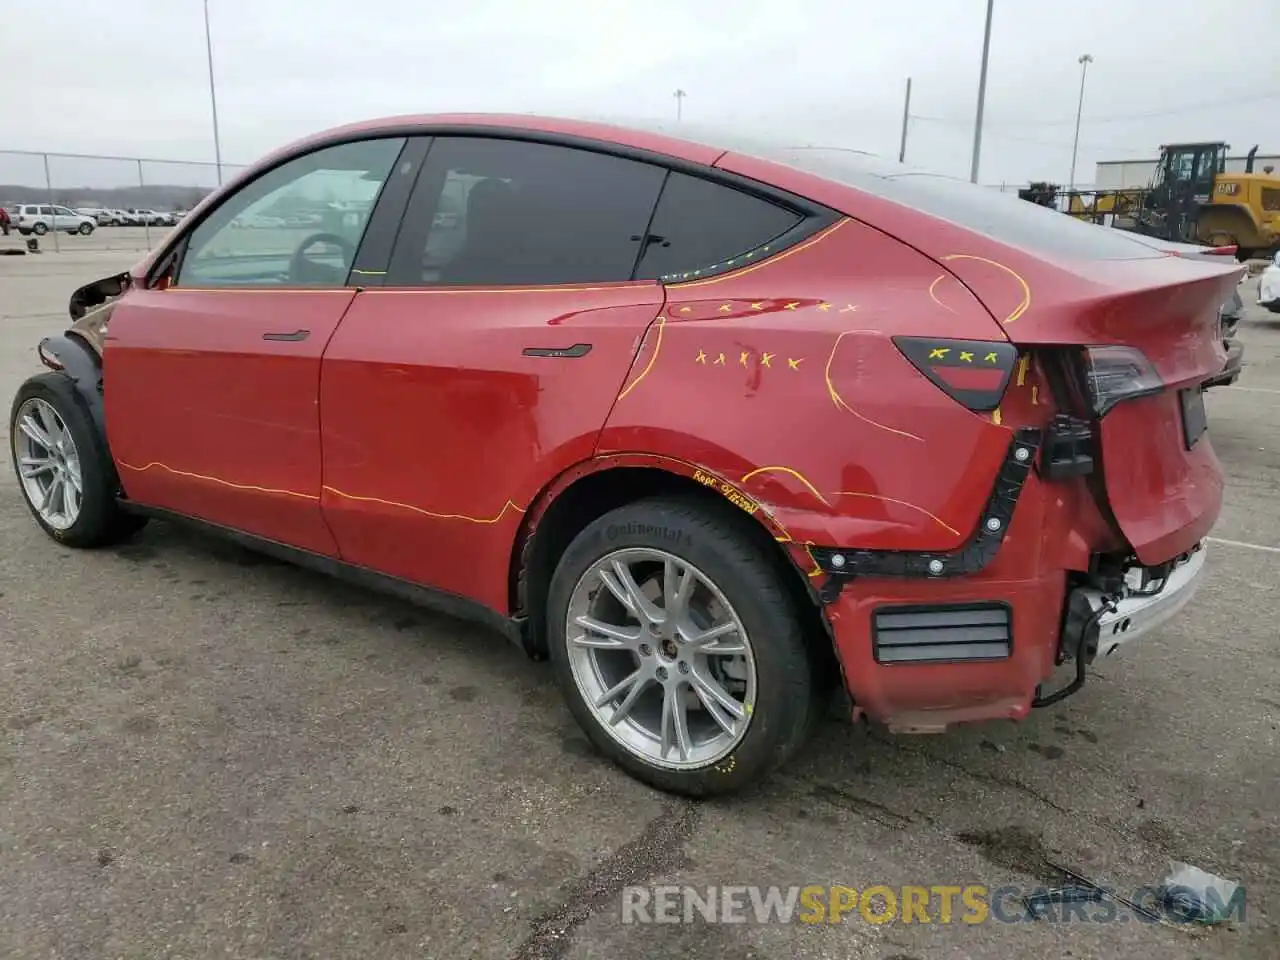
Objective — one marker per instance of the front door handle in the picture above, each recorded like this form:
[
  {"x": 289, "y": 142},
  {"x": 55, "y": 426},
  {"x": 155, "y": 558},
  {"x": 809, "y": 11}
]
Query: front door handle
[{"x": 291, "y": 337}]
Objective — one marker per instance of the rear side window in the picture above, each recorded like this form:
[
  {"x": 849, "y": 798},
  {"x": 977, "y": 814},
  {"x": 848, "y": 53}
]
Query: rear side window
[
  {"x": 491, "y": 212},
  {"x": 700, "y": 226}
]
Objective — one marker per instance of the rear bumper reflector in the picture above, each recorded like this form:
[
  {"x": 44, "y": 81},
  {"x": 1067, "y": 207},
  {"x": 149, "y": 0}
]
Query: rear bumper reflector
[{"x": 942, "y": 633}]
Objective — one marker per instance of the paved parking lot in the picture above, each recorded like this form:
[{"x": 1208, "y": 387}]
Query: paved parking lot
[{"x": 207, "y": 754}]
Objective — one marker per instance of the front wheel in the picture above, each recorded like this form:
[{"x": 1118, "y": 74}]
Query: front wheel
[
  {"x": 678, "y": 648},
  {"x": 64, "y": 471}
]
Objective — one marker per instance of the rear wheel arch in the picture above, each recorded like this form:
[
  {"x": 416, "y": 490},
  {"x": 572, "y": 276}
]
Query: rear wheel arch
[{"x": 584, "y": 493}]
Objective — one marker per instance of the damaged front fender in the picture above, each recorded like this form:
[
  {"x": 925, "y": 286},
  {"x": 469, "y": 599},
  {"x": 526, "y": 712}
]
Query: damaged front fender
[{"x": 72, "y": 355}]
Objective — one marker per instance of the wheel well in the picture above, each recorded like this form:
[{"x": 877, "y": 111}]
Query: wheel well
[
  {"x": 596, "y": 494},
  {"x": 1234, "y": 219}
]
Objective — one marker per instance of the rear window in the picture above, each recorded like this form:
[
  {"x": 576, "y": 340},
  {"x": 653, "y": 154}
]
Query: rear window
[
  {"x": 1002, "y": 217},
  {"x": 700, "y": 225}
]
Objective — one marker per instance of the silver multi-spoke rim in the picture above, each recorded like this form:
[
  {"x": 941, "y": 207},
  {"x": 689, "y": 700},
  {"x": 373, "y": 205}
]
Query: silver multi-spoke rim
[
  {"x": 48, "y": 463},
  {"x": 661, "y": 658}
]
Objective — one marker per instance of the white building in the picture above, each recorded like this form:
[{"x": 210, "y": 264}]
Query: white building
[{"x": 1120, "y": 174}]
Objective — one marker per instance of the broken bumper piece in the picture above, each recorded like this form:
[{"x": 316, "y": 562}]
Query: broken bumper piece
[{"x": 1123, "y": 621}]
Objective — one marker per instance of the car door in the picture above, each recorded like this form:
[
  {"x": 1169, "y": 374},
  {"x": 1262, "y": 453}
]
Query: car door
[
  {"x": 212, "y": 370},
  {"x": 65, "y": 219},
  {"x": 486, "y": 359}
]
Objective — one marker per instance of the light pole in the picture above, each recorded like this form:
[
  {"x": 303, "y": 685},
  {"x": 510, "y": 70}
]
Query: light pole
[
  {"x": 982, "y": 97},
  {"x": 906, "y": 119},
  {"x": 213, "y": 97},
  {"x": 1084, "y": 61},
  {"x": 679, "y": 95}
]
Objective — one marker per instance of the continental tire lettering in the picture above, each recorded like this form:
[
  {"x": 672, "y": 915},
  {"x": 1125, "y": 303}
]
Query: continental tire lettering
[{"x": 635, "y": 529}]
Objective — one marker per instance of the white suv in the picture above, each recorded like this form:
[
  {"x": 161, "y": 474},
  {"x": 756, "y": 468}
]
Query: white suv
[{"x": 41, "y": 218}]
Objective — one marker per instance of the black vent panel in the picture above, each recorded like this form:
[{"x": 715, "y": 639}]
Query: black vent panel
[{"x": 941, "y": 633}]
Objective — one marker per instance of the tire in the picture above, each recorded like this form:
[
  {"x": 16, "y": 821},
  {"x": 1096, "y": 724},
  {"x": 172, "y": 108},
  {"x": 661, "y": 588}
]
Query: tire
[
  {"x": 100, "y": 521},
  {"x": 85, "y": 229},
  {"x": 788, "y": 696},
  {"x": 40, "y": 229}
]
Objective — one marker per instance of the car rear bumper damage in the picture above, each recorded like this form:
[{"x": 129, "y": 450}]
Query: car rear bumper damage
[
  {"x": 1139, "y": 612},
  {"x": 1231, "y": 371},
  {"x": 920, "y": 659},
  {"x": 929, "y": 640}
]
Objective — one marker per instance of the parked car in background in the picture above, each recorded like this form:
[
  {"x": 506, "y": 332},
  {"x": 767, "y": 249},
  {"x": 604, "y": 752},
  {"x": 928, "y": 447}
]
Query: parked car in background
[
  {"x": 1269, "y": 286},
  {"x": 39, "y": 219},
  {"x": 749, "y": 422},
  {"x": 100, "y": 216},
  {"x": 145, "y": 217}
]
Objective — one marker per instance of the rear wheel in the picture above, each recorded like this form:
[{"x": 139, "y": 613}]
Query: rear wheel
[
  {"x": 63, "y": 469},
  {"x": 40, "y": 229},
  {"x": 85, "y": 229},
  {"x": 679, "y": 650}
]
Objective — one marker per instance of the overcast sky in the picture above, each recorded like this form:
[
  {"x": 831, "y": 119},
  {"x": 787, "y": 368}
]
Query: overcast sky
[{"x": 130, "y": 77}]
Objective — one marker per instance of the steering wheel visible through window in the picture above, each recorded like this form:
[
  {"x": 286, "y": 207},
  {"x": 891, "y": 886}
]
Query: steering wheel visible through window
[{"x": 322, "y": 259}]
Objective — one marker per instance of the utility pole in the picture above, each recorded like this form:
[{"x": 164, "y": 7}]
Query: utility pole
[
  {"x": 906, "y": 117},
  {"x": 1084, "y": 61},
  {"x": 679, "y": 95},
  {"x": 982, "y": 97},
  {"x": 213, "y": 97}
]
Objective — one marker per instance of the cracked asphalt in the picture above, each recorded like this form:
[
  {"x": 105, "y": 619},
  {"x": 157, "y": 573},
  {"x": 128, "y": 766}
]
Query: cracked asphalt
[{"x": 205, "y": 753}]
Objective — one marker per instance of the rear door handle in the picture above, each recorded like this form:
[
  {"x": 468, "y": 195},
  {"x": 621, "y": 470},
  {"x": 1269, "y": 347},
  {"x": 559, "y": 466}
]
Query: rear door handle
[{"x": 292, "y": 337}]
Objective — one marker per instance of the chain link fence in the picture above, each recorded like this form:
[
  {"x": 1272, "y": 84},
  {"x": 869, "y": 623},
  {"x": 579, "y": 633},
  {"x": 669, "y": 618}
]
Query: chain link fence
[{"x": 133, "y": 200}]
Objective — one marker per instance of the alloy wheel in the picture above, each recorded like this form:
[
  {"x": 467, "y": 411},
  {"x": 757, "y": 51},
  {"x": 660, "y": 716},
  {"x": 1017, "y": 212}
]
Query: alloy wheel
[
  {"x": 661, "y": 658},
  {"x": 48, "y": 463}
]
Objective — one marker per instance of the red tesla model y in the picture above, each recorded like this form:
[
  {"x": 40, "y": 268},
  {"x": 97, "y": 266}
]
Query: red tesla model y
[{"x": 712, "y": 428}]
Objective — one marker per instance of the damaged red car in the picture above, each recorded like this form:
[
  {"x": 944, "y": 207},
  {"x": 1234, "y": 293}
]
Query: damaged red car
[{"x": 713, "y": 429}]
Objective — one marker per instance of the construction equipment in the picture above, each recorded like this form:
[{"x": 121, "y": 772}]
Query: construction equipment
[{"x": 1192, "y": 198}]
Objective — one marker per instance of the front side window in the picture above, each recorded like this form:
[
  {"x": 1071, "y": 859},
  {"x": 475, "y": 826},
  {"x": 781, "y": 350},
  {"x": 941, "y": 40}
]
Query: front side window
[
  {"x": 297, "y": 225},
  {"x": 507, "y": 212}
]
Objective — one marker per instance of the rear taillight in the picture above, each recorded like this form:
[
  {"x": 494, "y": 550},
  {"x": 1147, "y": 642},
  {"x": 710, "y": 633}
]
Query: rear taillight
[
  {"x": 1115, "y": 373},
  {"x": 972, "y": 372}
]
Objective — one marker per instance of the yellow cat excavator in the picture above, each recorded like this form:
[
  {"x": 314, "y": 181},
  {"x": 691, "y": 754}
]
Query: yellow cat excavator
[{"x": 1192, "y": 198}]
